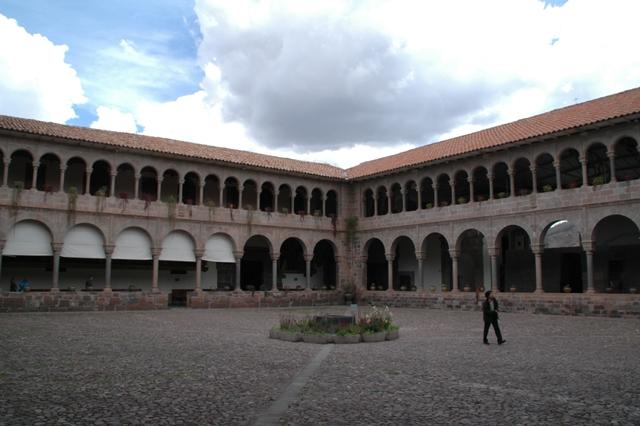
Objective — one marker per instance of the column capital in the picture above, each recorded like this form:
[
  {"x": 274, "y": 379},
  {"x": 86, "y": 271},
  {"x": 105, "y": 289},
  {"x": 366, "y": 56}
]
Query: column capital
[
  {"x": 611, "y": 154},
  {"x": 308, "y": 257},
  {"x": 2, "y": 243},
  {"x": 390, "y": 257},
  {"x": 537, "y": 248},
  {"x": 588, "y": 246},
  {"x": 56, "y": 247},
  {"x": 181, "y": 181},
  {"x": 36, "y": 164},
  {"x": 63, "y": 169},
  {"x": 419, "y": 255},
  {"x": 199, "y": 252},
  {"x": 582, "y": 159},
  {"x": 454, "y": 253},
  {"x": 275, "y": 256},
  {"x": 114, "y": 174},
  {"x": 238, "y": 254},
  {"x": 492, "y": 251},
  {"x": 556, "y": 164},
  {"x": 108, "y": 249},
  {"x": 155, "y": 251}
]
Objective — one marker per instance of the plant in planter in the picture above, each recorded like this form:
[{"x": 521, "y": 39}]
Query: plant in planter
[
  {"x": 350, "y": 334},
  {"x": 547, "y": 188},
  {"x": 317, "y": 213},
  {"x": 524, "y": 192},
  {"x": 501, "y": 195},
  {"x": 403, "y": 288},
  {"x": 598, "y": 180},
  {"x": 284, "y": 210},
  {"x": 428, "y": 206},
  {"x": 633, "y": 290},
  {"x": 372, "y": 286},
  {"x": 466, "y": 288},
  {"x": 573, "y": 184},
  {"x": 462, "y": 200},
  {"x": 375, "y": 324},
  {"x": 124, "y": 200},
  {"x": 513, "y": 289},
  {"x": 444, "y": 203},
  {"x": 566, "y": 288},
  {"x": 433, "y": 288},
  {"x": 444, "y": 287},
  {"x": 481, "y": 198}
]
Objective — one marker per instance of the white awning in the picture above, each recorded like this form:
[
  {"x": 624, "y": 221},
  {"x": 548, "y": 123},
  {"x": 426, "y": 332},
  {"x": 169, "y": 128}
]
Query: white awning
[
  {"x": 28, "y": 238},
  {"x": 132, "y": 244},
  {"x": 83, "y": 242},
  {"x": 219, "y": 248},
  {"x": 177, "y": 246}
]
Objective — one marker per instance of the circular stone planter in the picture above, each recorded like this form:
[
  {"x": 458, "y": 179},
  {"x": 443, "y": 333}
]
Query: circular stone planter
[
  {"x": 285, "y": 335},
  {"x": 380, "y": 336},
  {"x": 350, "y": 338},
  {"x": 317, "y": 338},
  {"x": 393, "y": 334}
]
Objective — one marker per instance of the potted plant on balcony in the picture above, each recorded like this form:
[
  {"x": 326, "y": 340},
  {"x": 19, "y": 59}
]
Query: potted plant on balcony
[
  {"x": 547, "y": 188},
  {"x": 597, "y": 181},
  {"x": 462, "y": 200},
  {"x": 566, "y": 288}
]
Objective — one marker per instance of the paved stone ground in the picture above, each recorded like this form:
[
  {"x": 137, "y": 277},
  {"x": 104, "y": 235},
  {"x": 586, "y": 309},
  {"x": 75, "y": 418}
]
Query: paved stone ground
[{"x": 217, "y": 367}]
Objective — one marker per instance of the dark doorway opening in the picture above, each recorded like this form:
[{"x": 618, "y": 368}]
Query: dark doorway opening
[{"x": 571, "y": 271}]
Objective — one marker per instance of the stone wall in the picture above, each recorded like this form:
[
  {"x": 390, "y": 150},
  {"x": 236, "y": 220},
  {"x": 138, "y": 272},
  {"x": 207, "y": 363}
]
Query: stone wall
[
  {"x": 259, "y": 299},
  {"x": 604, "y": 305},
  {"x": 34, "y": 301}
]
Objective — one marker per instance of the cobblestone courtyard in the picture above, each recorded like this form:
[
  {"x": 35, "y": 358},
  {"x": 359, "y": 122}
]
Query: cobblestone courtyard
[{"x": 218, "y": 367}]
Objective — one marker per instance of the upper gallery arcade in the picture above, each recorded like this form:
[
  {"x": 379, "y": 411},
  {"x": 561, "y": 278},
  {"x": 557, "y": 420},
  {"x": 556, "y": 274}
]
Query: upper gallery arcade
[{"x": 535, "y": 205}]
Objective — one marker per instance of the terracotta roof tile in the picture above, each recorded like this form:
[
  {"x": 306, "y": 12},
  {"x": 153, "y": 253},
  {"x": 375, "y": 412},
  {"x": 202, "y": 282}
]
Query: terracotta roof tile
[
  {"x": 170, "y": 147},
  {"x": 571, "y": 117}
]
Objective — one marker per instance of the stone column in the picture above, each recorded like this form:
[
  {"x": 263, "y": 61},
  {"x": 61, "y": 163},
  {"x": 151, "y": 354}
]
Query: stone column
[
  {"x": 612, "y": 164},
  {"x": 5, "y": 174},
  {"x": 155, "y": 254},
  {"x": 419, "y": 197},
  {"x": 57, "y": 248},
  {"x": 375, "y": 204},
  {"x": 435, "y": 195},
  {"x": 136, "y": 187},
  {"x": 472, "y": 197},
  {"x": 453, "y": 192},
  {"x": 587, "y": 246},
  {"x": 199, "y": 253},
  {"x": 454, "y": 267},
  {"x": 240, "y": 191},
  {"x": 87, "y": 180},
  {"x": 419, "y": 258},
  {"x": 274, "y": 271},
  {"x": 200, "y": 194},
  {"x": 537, "y": 252},
  {"x": 583, "y": 163},
  {"x": 159, "y": 189},
  {"x": 556, "y": 165},
  {"x": 238, "y": 256},
  {"x": 307, "y": 268},
  {"x": 108, "y": 252},
  {"x": 34, "y": 176},
  {"x": 292, "y": 202},
  {"x": 276, "y": 207},
  {"x": 512, "y": 183},
  {"x": 221, "y": 196},
  {"x": 309, "y": 212},
  {"x": 534, "y": 178},
  {"x": 493, "y": 256},
  {"x": 390, "y": 258},
  {"x": 112, "y": 188},
  {"x": 490, "y": 178},
  {"x": 180, "y": 185},
  {"x": 61, "y": 183},
  {"x": 404, "y": 200}
]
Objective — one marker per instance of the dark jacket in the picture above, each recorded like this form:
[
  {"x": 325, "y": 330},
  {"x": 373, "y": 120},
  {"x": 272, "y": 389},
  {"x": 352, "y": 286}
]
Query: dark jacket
[{"x": 487, "y": 314}]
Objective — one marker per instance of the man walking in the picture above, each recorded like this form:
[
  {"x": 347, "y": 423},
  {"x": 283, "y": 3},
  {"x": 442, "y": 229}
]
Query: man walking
[{"x": 490, "y": 316}]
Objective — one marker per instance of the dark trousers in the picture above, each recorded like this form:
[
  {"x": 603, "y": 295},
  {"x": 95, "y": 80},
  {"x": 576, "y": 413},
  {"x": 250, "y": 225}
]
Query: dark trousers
[{"x": 493, "y": 320}]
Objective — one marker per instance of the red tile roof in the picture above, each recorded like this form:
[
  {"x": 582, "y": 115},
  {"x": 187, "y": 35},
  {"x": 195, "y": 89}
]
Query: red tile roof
[
  {"x": 572, "y": 117},
  {"x": 170, "y": 147}
]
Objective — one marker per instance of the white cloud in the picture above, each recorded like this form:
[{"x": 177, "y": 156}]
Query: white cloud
[
  {"x": 114, "y": 119},
  {"x": 35, "y": 80}
]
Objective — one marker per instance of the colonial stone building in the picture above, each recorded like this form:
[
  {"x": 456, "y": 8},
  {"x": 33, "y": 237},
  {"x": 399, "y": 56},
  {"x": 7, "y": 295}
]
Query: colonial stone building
[{"x": 537, "y": 207}]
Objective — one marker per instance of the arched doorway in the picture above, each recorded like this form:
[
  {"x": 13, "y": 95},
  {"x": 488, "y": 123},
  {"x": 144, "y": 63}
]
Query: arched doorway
[
  {"x": 255, "y": 269},
  {"x": 219, "y": 263},
  {"x": 570, "y": 169},
  {"x": 405, "y": 265},
  {"x": 437, "y": 267},
  {"x": 562, "y": 263},
  {"x": 20, "y": 170},
  {"x": 292, "y": 265},
  {"x": 177, "y": 269},
  {"x": 82, "y": 256},
  {"x": 267, "y": 197},
  {"x": 627, "y": 159},
  {"x": 48, "y": 179},
  {"x": 616, "y": 254},
  {"x": 100, "y": 180},
  {"x": 515, "y": 262},
  {"x": 377, "y": 272},
  {"x": 369, "y": 203},
  {"x": 598, "y": 165},
  {"x": 132, "y": 265},
  {"x": 545, "y": 173},
  {"x": 323, "y": 266},
  {"x": 28, "y": 254},
  {"x": 125, "y": 182},
  {"x": 461, "y": 185},
  {"x": 170, "y": 186},
  {"x": 76, "y": 175},
  {"x": 191, "y": 189},
  {"x": 444, "y": 190},
  {"x": 473, "y": 260}
]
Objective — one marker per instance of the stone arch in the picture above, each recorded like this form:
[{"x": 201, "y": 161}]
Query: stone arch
[
  {"x": 376, "y": 269},
  {"x": 285, "y": 198},
  {"x": 368, "y": 203},
  {"x": 21, "y": 169},
  {"x": 249, "y": 194},
  {"x": 382, "y": 200},
  {"x": 292, "y": 264},
  {"x": 570, "y": 169},
  {"x": 191, "y": 189},
  {"x": 522, "y": 177},
  {"x": 411, "y": 196},
  {"x": 473, "y": 260},
  {"x": 324, "y": 271},
  {"x": 598, "y": 164},
  {"x": 461, "y": 187},
  {"x": 562, "y": 258},
  {"x": 545, "y": 173},
  {"x": 481, "y": 188},
  {"x": 443, "y": 190},
  {"x": 267, "y": 197},
  {"x": 616, "y": 241},
  {"x": 300, "y": 201},
  {"x": 125, "y": 181},
  {"x": 132, "y": 265},
  {"x": 170, "y": 186},
  {"x": 627, "y": 159},
  {"x": 396, "y": 198},
  {"x": 515, "y": 260},
  {"x": 427, "y": 194},
  {"x": 148, "y": 185},
  {"x": 231, "y": 193},
  {"x": 405, "y": 264},
  {"x": 48, "y": 178},
  {"x": 100, "y": 179},
  {"x": 211, "y": 191},
  {"x": 27, "y": 254},
  {"x": 219, "y": 262},
  {"x": 316, "y": 202},
  {"x": 437, "y": 265},
  {"x": 331, "y": 204},
  {"x": 501, "y": 180}
]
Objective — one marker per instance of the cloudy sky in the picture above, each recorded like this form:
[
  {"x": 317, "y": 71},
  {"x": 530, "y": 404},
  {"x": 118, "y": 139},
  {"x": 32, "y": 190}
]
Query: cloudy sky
[{"x": 332, "y": 81}]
